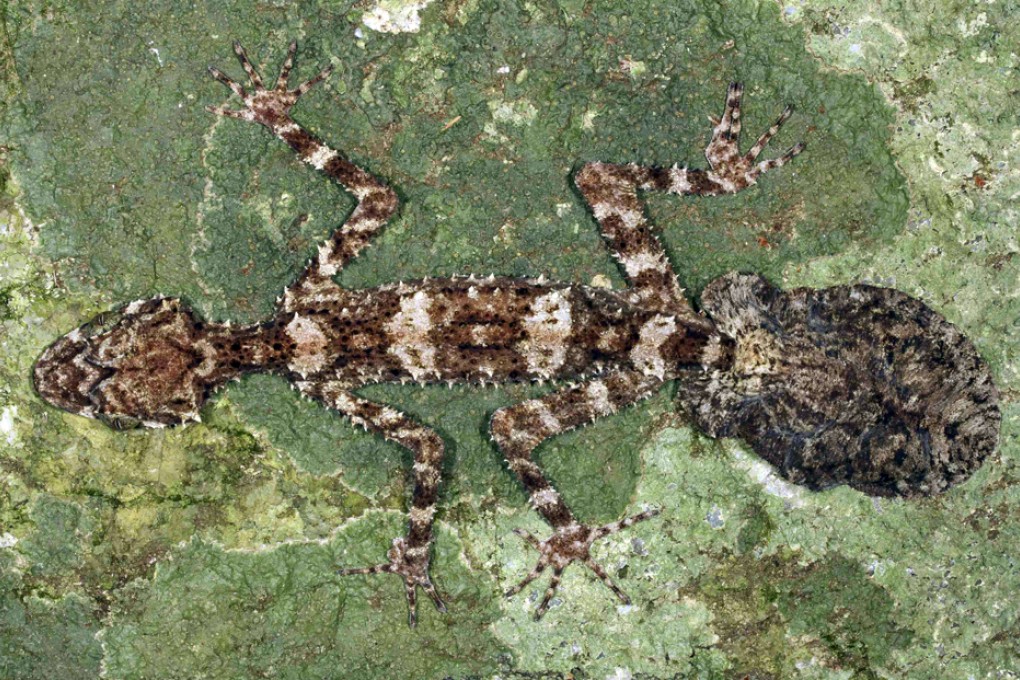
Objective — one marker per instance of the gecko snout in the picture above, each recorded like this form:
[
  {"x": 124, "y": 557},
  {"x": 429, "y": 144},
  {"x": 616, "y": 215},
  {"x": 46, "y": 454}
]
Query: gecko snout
[{"x": 148, "y": 363}]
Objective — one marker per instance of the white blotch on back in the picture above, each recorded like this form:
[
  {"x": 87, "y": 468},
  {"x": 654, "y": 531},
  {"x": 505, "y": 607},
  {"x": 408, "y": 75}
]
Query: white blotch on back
[
  {"x": 310, "y": 354},
  {"x": 485, "y": 335},
  {"x": 548, "y": 329},
  {"x": 598, "y": 398},
  {"x": 647, "y": 353},
  {"x": 409, "y": 333}
]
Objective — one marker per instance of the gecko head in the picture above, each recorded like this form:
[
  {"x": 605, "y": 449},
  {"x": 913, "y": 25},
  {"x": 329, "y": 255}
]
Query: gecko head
[
  {"x": 853, "y": 385},
  {"x": 147, "y": 363}
]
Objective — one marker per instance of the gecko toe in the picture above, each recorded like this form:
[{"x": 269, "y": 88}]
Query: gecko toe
[
  {"x": 411, "y": 564},
  {"x": 568, "y": 544},
  {"x": 269, "y": 107}
]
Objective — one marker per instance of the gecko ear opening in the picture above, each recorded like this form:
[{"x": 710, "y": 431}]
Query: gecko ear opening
[{"x": 852, "y": 385}]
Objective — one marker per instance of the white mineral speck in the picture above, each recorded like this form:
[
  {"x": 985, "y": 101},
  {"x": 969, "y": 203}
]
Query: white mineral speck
[
  {"x": 7, "y": 424},
  {"x": 715, "y": 517},
  {"x": 395, "y": 16}
]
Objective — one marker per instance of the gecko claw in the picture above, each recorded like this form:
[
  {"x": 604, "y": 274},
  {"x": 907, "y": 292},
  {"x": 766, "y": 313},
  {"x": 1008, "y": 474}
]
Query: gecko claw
[
  {"x": 412, "y": 565},
  {"x": 270, "y": 107},
  {"x": 572, "y": 543},
  {"x": 732, "y": 170}
]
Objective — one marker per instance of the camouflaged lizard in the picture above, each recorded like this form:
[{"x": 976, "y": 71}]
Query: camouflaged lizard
[{"x": 852, "y": 384}]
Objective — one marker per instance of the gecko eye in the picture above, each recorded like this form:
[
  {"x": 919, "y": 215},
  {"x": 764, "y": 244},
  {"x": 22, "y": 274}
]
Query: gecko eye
[
  {"x": 119, "y": 422},
  {"x": 848, "y": 385},
  {"x": 143, "y": 364}
]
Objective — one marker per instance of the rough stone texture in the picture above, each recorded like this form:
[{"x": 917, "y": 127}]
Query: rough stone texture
[{"x": 209, "y": 551}]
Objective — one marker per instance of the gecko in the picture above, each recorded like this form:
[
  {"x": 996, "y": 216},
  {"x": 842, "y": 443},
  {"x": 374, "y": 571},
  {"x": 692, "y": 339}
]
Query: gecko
[{"x": 852, "y": 384}]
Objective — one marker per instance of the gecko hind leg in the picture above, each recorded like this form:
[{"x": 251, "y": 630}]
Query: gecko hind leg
[
  {"x": 519, "y": 429},
  {"x": 412, "y": 566},
  {"x": 572, "y": 543},
  {"x": 730, "y": 169},
  {"x": 611, "y": 191}
]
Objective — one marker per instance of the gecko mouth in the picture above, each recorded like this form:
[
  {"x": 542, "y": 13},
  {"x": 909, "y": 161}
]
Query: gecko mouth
[
  {"x": 65, "y": 376},
  {"x": 147, "y": 363}
]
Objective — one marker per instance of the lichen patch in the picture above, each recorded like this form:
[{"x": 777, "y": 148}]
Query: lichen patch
[{"x": 394, "y": 16}]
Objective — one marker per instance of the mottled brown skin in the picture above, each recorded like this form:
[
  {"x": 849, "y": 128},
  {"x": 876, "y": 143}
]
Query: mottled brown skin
[
  {"x": 852, "y": 385},
  {"x": 849, "y": 385}
]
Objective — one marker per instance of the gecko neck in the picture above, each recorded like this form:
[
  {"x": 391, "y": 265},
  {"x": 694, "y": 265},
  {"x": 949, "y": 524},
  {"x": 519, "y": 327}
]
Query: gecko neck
[{"x": 242, "y": 350}]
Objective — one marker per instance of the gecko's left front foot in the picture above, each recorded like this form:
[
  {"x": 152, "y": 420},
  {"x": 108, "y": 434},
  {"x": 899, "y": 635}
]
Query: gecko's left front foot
[
  {"x": 270, "y": 107},
  {"x": 412, "y": 565},
  {"x": 572, "y": 543},
  {"x": 731, "y": 169}
]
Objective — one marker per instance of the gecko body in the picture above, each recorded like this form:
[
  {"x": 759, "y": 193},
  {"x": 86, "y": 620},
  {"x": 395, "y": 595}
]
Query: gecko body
[{"x": 848, "y": 385}]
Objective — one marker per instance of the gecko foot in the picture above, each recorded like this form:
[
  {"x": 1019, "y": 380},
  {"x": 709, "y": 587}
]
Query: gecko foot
[
  {"x": 732, "y": 169},
  {"x": 412, "y": 565},
  {"x": 572, "y": 543},
  {"x": 270, "y": 107}
]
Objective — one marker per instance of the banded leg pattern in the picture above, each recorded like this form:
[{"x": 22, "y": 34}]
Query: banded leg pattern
[
  {"x": 611, "y": 191},
  {"x": 271, "y": 107},
  {"x": 519, "y": 429},
  {"x": 409, "y": 556}
]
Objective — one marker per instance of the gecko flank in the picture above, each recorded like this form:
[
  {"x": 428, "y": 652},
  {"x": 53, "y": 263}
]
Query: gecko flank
[{"x": 848, "y": 385}]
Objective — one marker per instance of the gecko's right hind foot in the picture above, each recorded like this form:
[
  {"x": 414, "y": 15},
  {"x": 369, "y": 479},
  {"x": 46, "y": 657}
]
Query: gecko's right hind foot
[
  {"x": 269, "y": 107},
  {"x": 737, "y": 171}
]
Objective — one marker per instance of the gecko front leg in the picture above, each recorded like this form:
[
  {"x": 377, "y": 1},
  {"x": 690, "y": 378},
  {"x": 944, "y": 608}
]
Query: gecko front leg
[
  {"x": 409, "y": 555},
  {"x": 519, "y": 429},
  {"x": 271, "y": 108}
]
